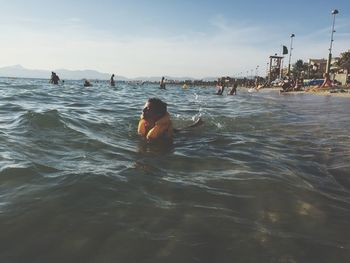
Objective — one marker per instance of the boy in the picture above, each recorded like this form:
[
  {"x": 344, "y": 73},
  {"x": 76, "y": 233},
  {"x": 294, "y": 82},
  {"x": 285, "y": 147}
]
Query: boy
[{"x": 155, "y": 121}]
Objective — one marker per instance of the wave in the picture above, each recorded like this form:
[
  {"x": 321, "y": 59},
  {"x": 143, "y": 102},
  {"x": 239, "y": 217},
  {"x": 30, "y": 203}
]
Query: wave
[
  {"x": 50, "y": 135},
  {"x": 43, "y": 120},
  {"x": 54, "y": 119}
]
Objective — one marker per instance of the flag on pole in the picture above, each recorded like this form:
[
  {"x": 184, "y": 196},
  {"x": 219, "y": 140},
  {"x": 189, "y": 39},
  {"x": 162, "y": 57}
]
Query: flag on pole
[{"x": 285, "y": 50}]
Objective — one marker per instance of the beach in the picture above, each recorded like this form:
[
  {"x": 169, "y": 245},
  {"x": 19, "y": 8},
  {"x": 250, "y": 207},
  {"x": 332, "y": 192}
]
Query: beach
[{"x": 264, "y": 179}]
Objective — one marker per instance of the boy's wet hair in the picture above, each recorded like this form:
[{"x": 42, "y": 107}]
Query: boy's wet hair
[{"x": 158, "y": 106}]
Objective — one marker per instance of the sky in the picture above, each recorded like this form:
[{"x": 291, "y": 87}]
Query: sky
[{"x": 180, "y": 38}]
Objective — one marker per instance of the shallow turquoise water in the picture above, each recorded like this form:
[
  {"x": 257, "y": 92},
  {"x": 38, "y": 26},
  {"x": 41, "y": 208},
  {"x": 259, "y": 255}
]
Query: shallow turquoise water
[{"x": 265, "y": 179}]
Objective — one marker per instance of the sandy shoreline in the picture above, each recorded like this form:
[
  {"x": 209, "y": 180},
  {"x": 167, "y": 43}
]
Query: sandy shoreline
[{"x": 320, "y": 93}]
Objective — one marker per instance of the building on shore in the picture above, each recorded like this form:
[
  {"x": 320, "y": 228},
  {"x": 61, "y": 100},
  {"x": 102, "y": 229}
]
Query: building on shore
[{"x": 317, "y": 67}]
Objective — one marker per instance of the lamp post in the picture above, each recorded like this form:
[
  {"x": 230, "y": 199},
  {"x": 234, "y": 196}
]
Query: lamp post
[
  {"x": 334, "y": 12},
  {"x": 267, "y": 69},
  {"x": 290, "y": 52}
]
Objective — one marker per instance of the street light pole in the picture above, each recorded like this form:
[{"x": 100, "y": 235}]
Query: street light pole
[
  {"x": 267, "y": 69},
  {"x": 334, "y": 12},
  {"x": 290, "y": 52}
]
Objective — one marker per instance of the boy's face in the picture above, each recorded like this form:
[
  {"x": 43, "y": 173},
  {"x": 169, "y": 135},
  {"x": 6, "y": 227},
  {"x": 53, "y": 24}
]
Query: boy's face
[{"x": 148, "y": 112}]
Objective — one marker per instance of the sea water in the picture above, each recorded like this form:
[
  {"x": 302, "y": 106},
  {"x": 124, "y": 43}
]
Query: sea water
[{"x": 266, "y": 178}]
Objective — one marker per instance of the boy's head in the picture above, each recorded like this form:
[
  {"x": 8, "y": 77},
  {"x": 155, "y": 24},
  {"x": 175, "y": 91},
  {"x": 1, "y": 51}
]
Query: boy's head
[{"x": 154, "y": 109}]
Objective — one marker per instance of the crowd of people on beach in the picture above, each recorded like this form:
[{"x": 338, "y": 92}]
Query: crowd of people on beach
[
  {"x": 290, "y": 85},
  {"x": 287, "y": 84}
]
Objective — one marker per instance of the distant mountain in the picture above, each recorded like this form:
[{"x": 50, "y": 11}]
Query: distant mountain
[
  {"x": 21, "y": 72},
  {"x": 81, "y": 74},
  {"x": 17, "y": 71}
]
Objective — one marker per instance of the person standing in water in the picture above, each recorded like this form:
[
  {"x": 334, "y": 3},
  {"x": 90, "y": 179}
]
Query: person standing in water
[
  {"x": 54, "y": 78},
  {"x": 162, "y": 83},
  {"x": 220, "y": 86},
  {"x": 233, "y": 90},
  {"x": 112, "y": 82}
]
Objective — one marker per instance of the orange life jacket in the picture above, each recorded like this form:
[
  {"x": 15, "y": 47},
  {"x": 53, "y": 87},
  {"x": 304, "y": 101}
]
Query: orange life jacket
[{"x": 163, "y": 128}]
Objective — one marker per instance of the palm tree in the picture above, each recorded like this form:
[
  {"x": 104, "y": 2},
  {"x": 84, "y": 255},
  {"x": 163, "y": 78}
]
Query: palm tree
[{"x": 344, "y": 61}]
